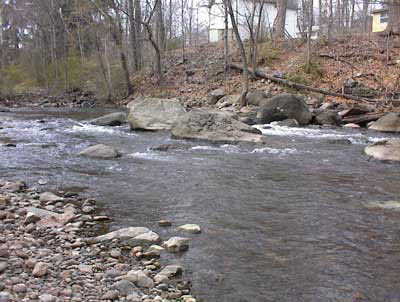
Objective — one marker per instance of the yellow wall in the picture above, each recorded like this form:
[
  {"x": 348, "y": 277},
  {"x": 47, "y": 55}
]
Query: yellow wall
[{"x": 377, "y": 26}]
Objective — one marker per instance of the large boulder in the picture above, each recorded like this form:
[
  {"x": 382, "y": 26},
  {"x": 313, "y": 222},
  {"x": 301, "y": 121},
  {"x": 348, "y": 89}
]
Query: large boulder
[
  {"x": 327, "y": 117},
  {"x": 282, "y": 107},
  {"x": 130, "y": 236},
  {"x": 100, "y": 151},
  {"x": 384, "y": 150},
  {"x": 112, "y": 119},
  {"x": 214, "y": 127},
  {"x": 388, "y": 123},
  {"x": 155, "y": 114}
]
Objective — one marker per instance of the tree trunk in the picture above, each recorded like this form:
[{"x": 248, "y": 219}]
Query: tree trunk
[
  {"x": 310, "y": 19},
  {"x": 280, "y": 20},
  {"x": 117, "y": 33},
  {"x": 245, "y": 72},
  {"x": 365, "y": 15},
  {"x": 138, "y": 28},
  {"x": 132, "y": 35},
  {"x": 394, "y": 17}
]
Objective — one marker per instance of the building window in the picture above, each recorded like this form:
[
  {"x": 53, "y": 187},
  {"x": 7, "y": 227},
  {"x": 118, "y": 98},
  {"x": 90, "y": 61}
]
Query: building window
[{"x": 384, "y": 17}]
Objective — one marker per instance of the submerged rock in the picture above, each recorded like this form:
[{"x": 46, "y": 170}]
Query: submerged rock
[
  {"x": 284, "y": 106},
  {"x": 384, "y": 150},
  {"x": 154, "y": 114},
  {"x": 214, "y": 127},
  {"x": 112, "y": 119},
  {"x": 388, "y": 123},
  {"x": 100, "y": 151}
]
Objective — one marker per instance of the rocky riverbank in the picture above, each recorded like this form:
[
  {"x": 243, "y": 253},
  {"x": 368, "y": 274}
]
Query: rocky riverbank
[{"x": 51, "y": 250}]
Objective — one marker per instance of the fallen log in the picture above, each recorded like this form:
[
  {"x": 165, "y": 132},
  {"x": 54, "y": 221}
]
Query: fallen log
[
  {"x": 363, "y": 118},
  {"x": 308, "y": 88}
]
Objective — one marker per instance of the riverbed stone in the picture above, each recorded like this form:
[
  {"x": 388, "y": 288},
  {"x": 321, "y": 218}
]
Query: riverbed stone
[
  {"x": 190, "y": 228},
  {"x": 388, "y": 123},
  {"x": 100, "y": 151},
  {"x": 154, "y": 114},
  {"x": 214, "y": 127},
  {"x": 384, "y": 150},
  {"x": 112, "y": 119},
  {"x": 177, "y": 244},
  {"x": 284, "y": 106}
]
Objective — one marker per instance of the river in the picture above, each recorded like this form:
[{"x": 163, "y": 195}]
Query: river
[{"x": 284, "y": 223}]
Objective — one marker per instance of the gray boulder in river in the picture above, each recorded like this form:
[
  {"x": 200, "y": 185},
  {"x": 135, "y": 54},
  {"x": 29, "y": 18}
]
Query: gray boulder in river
[
  {"x": 154, "y": 114},
  {"x": 384, "y": 150},
  {"x": 214, "y": 127},
  {"x": 282, "y": 107},
  {"x": 112, "y": 119},
  {"x": 100, "y": 151},
  {"x": 388, "y": 123}
]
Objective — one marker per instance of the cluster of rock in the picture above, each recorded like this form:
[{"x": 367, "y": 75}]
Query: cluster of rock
[
  {"x": 227, "y": 126},
  {"x": 46, "y": 254}
]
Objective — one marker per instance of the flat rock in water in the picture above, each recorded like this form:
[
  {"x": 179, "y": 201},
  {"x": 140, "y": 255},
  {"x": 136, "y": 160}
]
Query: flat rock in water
[
  {"x": 215, "y": 128},
  {"x": 100, "y": 151},
  {"x": 384, "y": 150},
  {"x": 388, "y": 123},
  {"x": 131, "y": 236},
  {"x": 112, "y": 119}
]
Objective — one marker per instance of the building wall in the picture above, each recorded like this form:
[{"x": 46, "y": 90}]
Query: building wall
[
  {"x": 377, "y": 26},
  {"x": 245, "y": 9}
]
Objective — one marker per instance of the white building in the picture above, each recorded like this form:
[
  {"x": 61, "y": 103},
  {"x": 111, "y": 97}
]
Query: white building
[{"x": 243, "y": 10}]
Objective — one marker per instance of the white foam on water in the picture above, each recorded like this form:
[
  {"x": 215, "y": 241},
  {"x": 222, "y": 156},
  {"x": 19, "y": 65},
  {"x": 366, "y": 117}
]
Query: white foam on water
[
  {"x": 149, "y": 155},
  {"x": 225, "y": 148},
  {"x": 355, "y": 138},
  {"x": 207, "y": 148},
  {"x": 275, "y": 151},
  {"x": 79, "y": 127}
]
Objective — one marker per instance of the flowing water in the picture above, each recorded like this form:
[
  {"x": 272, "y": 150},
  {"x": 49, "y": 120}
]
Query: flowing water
[{"x": 287, "y": 222}]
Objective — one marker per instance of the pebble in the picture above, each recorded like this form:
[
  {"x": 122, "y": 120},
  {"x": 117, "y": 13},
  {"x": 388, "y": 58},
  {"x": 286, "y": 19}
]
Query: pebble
[
  {"x": 5, "y": 297},
  {"x": 47, "y": 298},
  {"x": 3, "y": 266},
  {"x": 19, "y": 288},
  {"x": 40, "y": 269}
]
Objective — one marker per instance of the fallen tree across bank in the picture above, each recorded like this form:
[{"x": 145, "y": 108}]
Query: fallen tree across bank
[{"x": 309, "y": 88}]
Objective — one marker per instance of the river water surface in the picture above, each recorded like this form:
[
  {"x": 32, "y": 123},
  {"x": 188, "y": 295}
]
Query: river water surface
[{"x": 287, "y": 222}]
